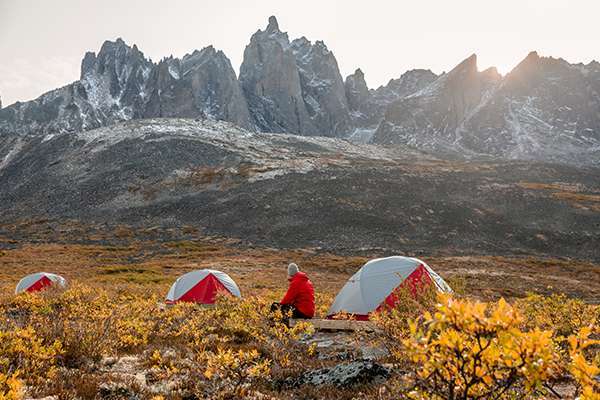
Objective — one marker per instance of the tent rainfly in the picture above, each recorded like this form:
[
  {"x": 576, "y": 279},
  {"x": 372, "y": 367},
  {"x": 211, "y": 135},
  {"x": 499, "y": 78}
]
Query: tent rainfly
[
  {"x": 372, "y": 287},
  {"x": 39, "y": 281},
  {"x": 202, "y": 287}
]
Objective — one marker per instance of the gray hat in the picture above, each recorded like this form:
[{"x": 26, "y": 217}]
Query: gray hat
[{"x": 293, "y": 269}]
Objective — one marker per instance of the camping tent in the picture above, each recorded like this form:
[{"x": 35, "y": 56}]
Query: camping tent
[
  {"x": 373, "y": 286},
  {"x": 39, "y": 281},
  {"x": 202, "y": 287}
]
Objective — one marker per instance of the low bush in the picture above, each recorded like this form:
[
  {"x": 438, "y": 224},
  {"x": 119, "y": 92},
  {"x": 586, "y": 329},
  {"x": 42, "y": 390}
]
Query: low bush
[{"x": 59, "y": 342}]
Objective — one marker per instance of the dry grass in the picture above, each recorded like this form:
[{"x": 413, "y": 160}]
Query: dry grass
[
  {"x": 541, "y": 186},
  {"x": 154, "y": 266},
  {"x": 577, "y": 197},
  {"x": 570, "y": 193}
]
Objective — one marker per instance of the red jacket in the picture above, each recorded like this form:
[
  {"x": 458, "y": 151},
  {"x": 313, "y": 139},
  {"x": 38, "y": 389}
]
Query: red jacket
[{"x": 301, "y": 294}]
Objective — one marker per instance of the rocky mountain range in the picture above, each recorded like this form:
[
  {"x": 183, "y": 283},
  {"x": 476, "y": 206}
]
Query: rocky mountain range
[
  {"x": 545, "y": 109},
  {"x": 120, "y": 84}
]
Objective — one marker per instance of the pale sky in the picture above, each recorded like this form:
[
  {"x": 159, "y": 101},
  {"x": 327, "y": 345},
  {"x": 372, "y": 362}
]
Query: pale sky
[{"x": 42, "y": 42}]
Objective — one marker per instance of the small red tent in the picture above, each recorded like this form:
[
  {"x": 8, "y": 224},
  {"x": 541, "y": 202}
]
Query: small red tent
[
  {"x": 202, "y": 287},
  {"x": 39, "y": 281}
]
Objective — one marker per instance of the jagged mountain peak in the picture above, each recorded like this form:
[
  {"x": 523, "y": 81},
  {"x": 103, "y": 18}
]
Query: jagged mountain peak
[
  {"x": 359, "y": 72},
  {"x": 321, "y": 44},
  {"x": 532, "y": 56},
  {"x": 594, "y": 64},
  {"x": 530, "y": 61},
  {"x": 87, "y": 64},
  {"x": 118, "y": 44},
  {"x": 468, "y": 65},
  {"x": 305, "y": 48},
  {"x": 271, "y": 34},
  {"x": 410, "y": 74},
  {"x": 301, "y": 42},
  {"x": 357, "y": 91},
  {"x": 273, "y": 25},
  {"x": 205, "y": 53},
  {"x": 115, "y": 52},
  {"x": 527, "y": 72},
  {"x": 293, "y": 87},
  {"x": 463, "y": 78},
  {"x": 492, "y": 71},
  {"x": 201, "y": 58},
  {"x": 491, "y": 76},
  {"x": 118, "y": 83},
  {"x": 545, "y": 108}
]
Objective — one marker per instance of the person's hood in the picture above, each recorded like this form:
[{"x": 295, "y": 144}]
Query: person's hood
[{"x": 300, "y": 276}]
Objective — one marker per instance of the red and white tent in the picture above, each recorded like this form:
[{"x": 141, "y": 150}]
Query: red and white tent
[
  {"x": 39, "y": 281},
  {"x": 202, "y": 287},
  {"x": 372, "y": 287}
]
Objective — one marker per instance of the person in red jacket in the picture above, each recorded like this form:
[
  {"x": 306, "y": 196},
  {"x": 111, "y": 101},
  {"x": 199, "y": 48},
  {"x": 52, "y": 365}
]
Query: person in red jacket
[{"x": 300, "y": 296}]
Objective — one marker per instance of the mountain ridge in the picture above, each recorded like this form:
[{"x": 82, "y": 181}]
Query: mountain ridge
[{"x": 545, "y": 108}]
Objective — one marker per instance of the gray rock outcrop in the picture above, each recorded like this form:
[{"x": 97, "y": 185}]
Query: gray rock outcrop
[
  {"x": 293, "y": 87},
  {"x": 368, "y": 106},
  {"x": 343, "y": 375},
  {"x": 271, "y": 83},
  {"x": 201, "y": 84}
]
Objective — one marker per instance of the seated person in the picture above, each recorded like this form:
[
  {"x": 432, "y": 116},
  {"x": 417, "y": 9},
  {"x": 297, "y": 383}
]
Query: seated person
[{"x": 300, "y": 296}]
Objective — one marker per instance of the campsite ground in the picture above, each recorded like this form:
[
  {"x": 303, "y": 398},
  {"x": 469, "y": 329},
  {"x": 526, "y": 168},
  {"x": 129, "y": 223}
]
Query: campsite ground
[{"x": 152, "y": 258}]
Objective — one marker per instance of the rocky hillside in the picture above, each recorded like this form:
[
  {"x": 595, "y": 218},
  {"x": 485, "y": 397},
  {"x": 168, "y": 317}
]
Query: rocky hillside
[{"x": 293, "y": 191}]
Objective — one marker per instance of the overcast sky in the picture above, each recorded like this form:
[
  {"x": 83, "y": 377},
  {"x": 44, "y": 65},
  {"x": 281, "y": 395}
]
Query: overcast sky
[{"x": 42, "y": 42}]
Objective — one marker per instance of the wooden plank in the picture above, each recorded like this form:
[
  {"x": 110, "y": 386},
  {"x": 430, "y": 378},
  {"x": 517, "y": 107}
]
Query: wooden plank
[{"x": 338, "y": 325}]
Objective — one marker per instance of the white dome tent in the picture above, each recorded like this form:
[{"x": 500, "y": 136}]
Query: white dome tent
[
  {"x": 39, "y": 281},
  {"x": 201, "y": 287},
  {"x": 373, "y": 286}
]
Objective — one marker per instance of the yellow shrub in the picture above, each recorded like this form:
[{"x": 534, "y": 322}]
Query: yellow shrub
[
  {"x": 454, "y": 349},
  {"x": 563, "y": 315},
  {"x": 134, "y": 322},
  {"x": 11, "y": 387},
  {"x": 472, "y": 350},
  {"x": 394, "y": 323},
  {"x": 585, "y": 368},
  {"x": 231, "y": 372},
  {"x": 165, "y": 368},
  {"x": 21, "y": 349}
]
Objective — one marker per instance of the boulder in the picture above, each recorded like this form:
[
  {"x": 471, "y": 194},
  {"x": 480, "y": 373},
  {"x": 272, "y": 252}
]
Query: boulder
[{"x": 343, "y": 375}]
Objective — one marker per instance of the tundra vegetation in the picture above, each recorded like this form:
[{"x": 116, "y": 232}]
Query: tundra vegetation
[
  {"x": 108, "y": 335},
  {"x": 61, "y": 342}
]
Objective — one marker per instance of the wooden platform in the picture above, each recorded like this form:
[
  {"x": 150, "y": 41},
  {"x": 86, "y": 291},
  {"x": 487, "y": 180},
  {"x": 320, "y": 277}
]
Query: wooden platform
[{"x": 338, "y": 325}]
